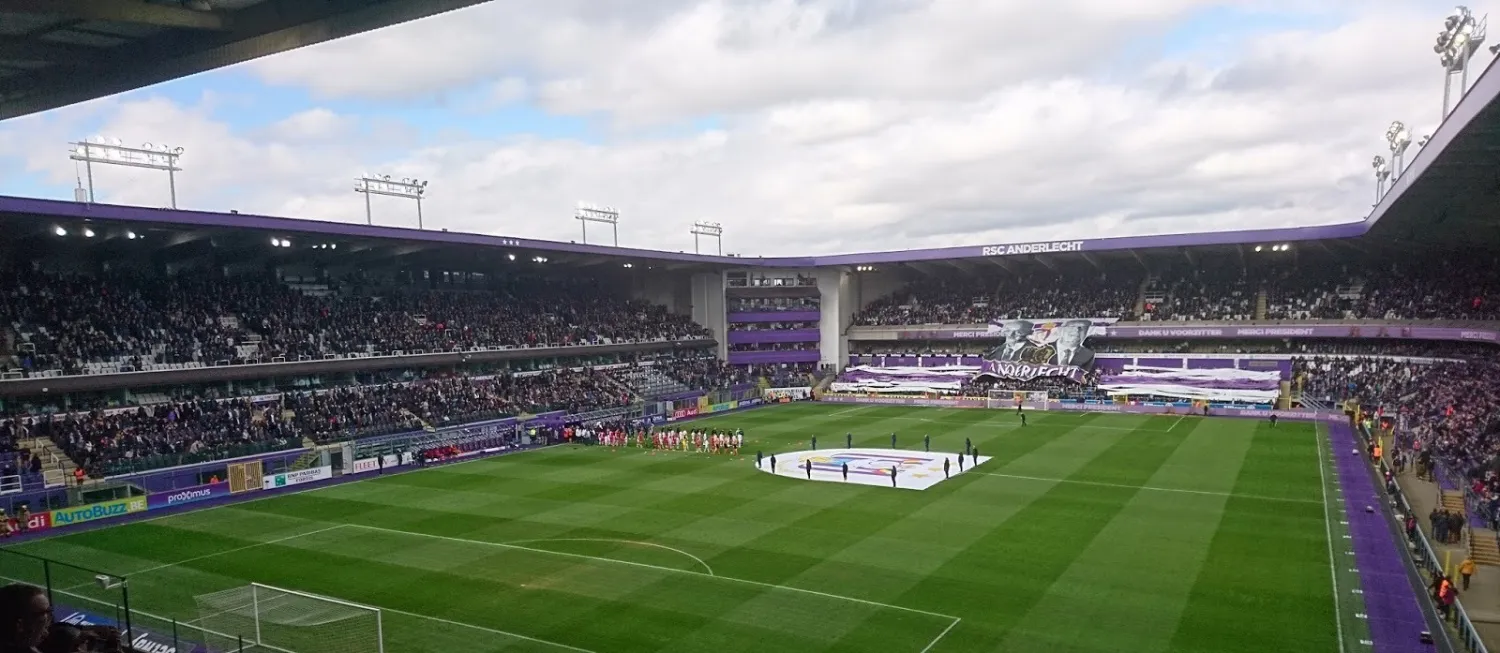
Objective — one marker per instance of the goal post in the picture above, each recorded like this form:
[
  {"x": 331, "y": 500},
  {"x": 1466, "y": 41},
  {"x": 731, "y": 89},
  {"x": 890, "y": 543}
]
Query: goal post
[
  {"x": 289, "y": 621},
  {"x": 1034, "y": 400}
]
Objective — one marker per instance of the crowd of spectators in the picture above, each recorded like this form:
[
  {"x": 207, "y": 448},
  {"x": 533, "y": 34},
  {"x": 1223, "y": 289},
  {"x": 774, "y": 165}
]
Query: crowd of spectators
[
  {"x": 705, "y": 373},
  {"x": 133, "y": 322},
  {"x": 1448, "y": 413},
  {"x": 205, "y": 429},
  {"x": 1453, "y": 287},
  {"x": 979, "y": 301}
]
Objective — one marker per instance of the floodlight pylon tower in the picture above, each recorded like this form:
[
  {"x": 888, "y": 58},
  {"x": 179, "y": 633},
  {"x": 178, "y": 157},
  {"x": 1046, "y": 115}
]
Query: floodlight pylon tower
[
  {"x": 147, "y": 156},
  {"x": 1382, "y": 173},
  {"x": 712, "y": 230},
  {"x": 1398, "y": 138},
  {"x": 405, "y": 188},
  {"x": 1462, "y": 35},
  {"x": 587, "y": 213}
]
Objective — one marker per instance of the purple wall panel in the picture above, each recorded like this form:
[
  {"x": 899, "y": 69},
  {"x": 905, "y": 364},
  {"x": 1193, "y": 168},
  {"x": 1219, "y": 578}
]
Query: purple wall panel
[
  {"x": 791, "y": 335},
  {"x": 774, "y": 316}
]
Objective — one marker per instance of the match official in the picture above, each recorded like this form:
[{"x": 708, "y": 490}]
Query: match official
[{"x": 945, "y": 466}]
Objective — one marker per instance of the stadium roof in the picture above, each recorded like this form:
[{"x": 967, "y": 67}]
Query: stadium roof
[{"x": 58, "y": 52}]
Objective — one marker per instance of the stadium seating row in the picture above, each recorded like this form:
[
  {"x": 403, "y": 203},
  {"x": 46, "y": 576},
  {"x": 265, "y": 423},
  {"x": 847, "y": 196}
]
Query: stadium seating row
[
  {"x": 69, "y": 324},
  {"x": 1457, "y": 287}
]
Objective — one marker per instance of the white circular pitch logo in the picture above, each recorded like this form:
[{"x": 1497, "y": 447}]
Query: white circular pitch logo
[{"x": 911, "y": 470}]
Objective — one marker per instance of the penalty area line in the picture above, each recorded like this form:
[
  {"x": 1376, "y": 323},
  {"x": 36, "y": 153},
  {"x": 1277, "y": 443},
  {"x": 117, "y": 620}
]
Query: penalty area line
[{"x": 941, "y": 635}]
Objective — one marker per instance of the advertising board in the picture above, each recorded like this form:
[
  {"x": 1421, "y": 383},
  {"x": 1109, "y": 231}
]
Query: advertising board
[
  {"x": 298, "y": 477},
  {"x": 91, "y": 512},
  {"x": 187, "y": 495}
]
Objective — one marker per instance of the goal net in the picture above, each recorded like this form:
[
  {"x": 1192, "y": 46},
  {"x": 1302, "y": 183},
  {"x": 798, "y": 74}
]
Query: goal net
[
  {"x": 1009, "y": 399},
  {"x": 274, "y": 619}
]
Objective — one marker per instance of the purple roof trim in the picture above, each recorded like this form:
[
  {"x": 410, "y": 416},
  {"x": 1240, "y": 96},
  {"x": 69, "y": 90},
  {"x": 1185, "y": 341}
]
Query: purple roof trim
[{"x": 293, "y": 226}]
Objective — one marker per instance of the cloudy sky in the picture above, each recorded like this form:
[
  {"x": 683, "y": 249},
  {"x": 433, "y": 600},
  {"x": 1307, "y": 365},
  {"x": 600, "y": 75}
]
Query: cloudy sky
[{"x": 803, "y": 126}]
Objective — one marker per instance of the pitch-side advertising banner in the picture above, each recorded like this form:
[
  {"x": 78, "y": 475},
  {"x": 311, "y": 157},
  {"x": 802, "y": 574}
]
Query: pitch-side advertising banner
[
  {"x": 298, "y": 477},
  {"x": 187, "y": 495},
  {"x": 93, "y": 511},
  {"x": 789, "y": 394}
]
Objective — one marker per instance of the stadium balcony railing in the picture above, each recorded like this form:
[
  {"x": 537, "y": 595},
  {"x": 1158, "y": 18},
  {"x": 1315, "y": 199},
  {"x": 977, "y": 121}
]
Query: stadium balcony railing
[{"x": 149, "y": 463}]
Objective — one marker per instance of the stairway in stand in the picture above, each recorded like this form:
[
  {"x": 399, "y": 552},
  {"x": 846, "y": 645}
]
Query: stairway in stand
[
  {"x": 57, "y": 467},
  {"x": 306, "y": 461},
  {"x": 1483, "y": 547}
]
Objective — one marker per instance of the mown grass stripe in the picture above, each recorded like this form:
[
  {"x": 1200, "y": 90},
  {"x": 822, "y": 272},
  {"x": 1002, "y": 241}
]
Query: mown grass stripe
[{"x": 1133, "y": 580}]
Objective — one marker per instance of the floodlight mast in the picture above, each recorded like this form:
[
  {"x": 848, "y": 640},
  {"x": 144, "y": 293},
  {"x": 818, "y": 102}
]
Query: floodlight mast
[
  {"x": 148, "y": 156},
  {"x": 1381, "y": 174},
  {"x": 712, "y": 230},
  {"x": 587, "y": 213},
  {"x": 406, "y": 188},
  {"x": 1398, "y": 138},
  {"x": 1462, "y": 35}
]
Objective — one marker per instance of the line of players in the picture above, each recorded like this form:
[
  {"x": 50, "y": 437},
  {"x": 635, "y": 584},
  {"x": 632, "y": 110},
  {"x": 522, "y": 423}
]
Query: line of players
[{"x": 701, "y": 441}]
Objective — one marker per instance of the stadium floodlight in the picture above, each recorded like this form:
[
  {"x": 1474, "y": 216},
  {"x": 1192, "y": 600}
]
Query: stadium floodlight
[
  {"x": 1461, "y": 37},
  {"x": 406, "y": 188},
  {"x": 712, "y": 230},
  {"x": 147, "y": 156},
  {"x": 587, "y": 213},
  {"x": 1382, "y": 173}
]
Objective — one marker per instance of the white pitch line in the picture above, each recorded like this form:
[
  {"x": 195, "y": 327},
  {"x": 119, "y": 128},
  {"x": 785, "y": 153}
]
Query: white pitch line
[
  {"x": 643, "y": 565},
  {"x": 484, "y": 629},
  {"x": 846, "y": 411},
  {"x": 1256, "y": 497},
  {"x": 941, "y": 635},
  {"x": 618, "y": 541},
  {"x": 1174, "y": 424},
  {"x": 234, "y": 550},
  {"x": 1333, "y": 573}
]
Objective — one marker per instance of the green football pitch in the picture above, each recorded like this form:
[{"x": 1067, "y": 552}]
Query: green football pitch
[{"x": 1084, "y": 532}]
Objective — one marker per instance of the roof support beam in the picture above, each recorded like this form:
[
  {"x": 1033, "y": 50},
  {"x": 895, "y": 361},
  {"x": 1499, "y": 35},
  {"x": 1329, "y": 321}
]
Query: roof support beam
[
  {"x": 31, "y": 50},
  {"x": 119, "y": 11},
  {"x": 1091, "y": 260}
]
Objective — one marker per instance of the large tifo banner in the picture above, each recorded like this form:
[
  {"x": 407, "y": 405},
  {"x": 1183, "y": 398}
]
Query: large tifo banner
[
  {"x": 1249, "y": 386},
  {"x": 1043, "y": 348},
  {"x": 945, "y": 379},
  {"x": 298, "y": 477}
]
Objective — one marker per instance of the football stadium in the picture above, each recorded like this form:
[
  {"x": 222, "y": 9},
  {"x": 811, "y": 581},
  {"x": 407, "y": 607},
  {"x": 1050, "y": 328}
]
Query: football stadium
[{"x": 222, "y": 431}]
